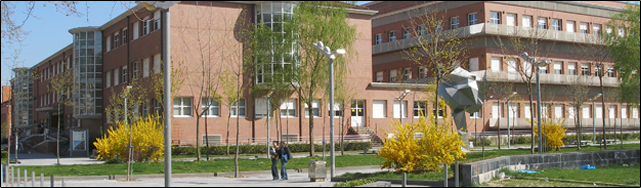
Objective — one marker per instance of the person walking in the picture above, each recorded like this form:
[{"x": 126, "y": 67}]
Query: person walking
[
  {"x": 273, "y": 152},
  {"x": 285, "y": 156}
]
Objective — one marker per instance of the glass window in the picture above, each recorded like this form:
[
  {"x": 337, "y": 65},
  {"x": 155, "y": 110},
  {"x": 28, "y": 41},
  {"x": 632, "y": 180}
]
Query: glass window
[
  {"x": 585, "y": 69},
  {"x": 288, "y": 108},
  {"x": 572, "y": 68},
  {"x": 406, "y": 33},
  {"x": 145, "y": 26},
  {"x": 543, "y": 23},
  {"x": 211, "y": 107},
  {"x": 621, "y": 32},
  {"x": 440, "y": 113},
  {"x": 357, "y": 108},
  {"x": 569, "y": 26},
  {"x": 182, "y": 106},
  {"x": 510, "y": 19},
  {"x": 378, "y": 109},
  {"x": 422, "y": 72},
  {"x": 315, "y": 108},
  {"x": 392, "y": 76},
  {"x": 471, "y": 19},
  {"x": 475, "y": 115},
  {"x": 407, "y": 73},
  {"x": 124, "y": 74},
  {"x": 379, "y": 38},
  {"x": 420, "y": 109},
  {"x": 397, "y": 109},
  {"x": 496, "y": 64},
  {"x": 124, "y": 36},
  {"x": 238, "y": 110},
  {"x": 108, "y": 77},
  {"x": 611, "y": 71},
  {"x": 392, "y": 36},
  {"x": 583, "y": 27},
  {"x": 116, "y": 40},
  {"x": 156, "y": 20},
  {"x": 556, "y": 24},
  {"x": 495, "y": 17},
  {"x": 421, "y": 30},
  {"x": 558, "y": 67},
  {"x": 135, "y": 70},
  {"x": 543, "y": 70},
  {"x": 596, "y": 28},
  {"x": 116, "y": 77},
  {"x": 497, "y": 110},
  {"x": 338, "y": 110},
  {"x": 474, "y": 64},
  {"x": 454, "y": 24},
  {"x": 597, "y": 70},
  {"x": 527, "y": 21},
  {"x": 379, "y": 76}
]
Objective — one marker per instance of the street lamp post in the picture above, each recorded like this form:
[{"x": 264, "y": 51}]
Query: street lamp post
[
  {"x": 164, "y": 9},
  {"x": 593, "y": 117},
  {"x": 125, "y": 96},
  {"x": 400, "y": 102},
  {"x": 331, "y": 55},
  {"x": 508, "y": 118},
  {"x": 537, "y": 64},
  {"x": 268, "y": 111}
]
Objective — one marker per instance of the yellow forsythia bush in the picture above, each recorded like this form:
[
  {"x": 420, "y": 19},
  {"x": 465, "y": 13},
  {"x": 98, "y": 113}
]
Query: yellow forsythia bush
[
  {"x": 553, "y": 130},
  {"x": 147, "y": 141},
  {"x": 406, "y": 153}
]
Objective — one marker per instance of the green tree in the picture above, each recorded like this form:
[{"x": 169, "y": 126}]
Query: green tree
[
  {"x": 625, "y": 51},
  {"x": 62, "y": 85}
]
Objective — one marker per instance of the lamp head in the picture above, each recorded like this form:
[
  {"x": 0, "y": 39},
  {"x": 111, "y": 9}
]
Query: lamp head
[
  {"x": 270, "y": 93},
  {"x": 598, "y": 95},
  {"x": 326, "y": 50},
  {"x": 340, "y": 51},
  {"x": 407, "y": 91},
  {"x": 543, "y": 63},
  {"x": 524, "y": 55}
]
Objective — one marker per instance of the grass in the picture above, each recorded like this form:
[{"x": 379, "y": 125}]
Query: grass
[
  {"x": 618, "y": 174},
  {"x": 260, "y": 164},
  {"x": 532, "y": 183},
  {"x": 354, "y": 183},
  {"x": 432, "y": 176}
]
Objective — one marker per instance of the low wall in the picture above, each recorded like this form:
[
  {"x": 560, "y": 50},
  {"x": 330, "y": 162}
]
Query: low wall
[{"x": 483, "y": 171}]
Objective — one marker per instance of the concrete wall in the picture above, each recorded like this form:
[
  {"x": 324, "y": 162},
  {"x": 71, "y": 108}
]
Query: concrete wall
[{"x": 483, "y": 171}]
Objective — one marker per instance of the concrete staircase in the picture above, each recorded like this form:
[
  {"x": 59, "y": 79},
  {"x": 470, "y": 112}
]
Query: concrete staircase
[{"x": 374, "y": 139}]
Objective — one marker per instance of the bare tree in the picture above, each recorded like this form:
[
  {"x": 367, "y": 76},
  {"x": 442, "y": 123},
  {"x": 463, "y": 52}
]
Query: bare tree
[
  {"x": 62, "y": 86},
  {"x": 578, "y": 90},
  {"x": 434, "y": 49},
  {"x": 595, "y": 51},
  {"x": 530, "y": 40}
]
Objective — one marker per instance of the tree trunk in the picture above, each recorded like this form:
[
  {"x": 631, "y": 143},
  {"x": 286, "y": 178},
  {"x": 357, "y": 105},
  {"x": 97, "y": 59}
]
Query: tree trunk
[
  {"x": 207, "y": 139},
  {"x": 57, "y": 138},
  {"x": 602, "y": 106},
  {"x": 311, "y": 125},
  {"x": 237, "y": 131},
  {"x": 227, "y": 138},
  {"x": 197, "y": 139},
  {"x": 531, "y": 122},
  {"x": 578, "y": 127}
]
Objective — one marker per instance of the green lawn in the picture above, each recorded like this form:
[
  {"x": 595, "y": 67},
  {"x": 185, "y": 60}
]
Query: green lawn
[
  {"x": 227, "y": 165},
  {"x": 533, "y": 183},
  {"x": 618, "y": 174}
]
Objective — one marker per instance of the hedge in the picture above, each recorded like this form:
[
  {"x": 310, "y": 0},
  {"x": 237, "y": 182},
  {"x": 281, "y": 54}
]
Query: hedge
[
  {"x": 261, "y": 149},
  {"x": 4, "y": 155}
]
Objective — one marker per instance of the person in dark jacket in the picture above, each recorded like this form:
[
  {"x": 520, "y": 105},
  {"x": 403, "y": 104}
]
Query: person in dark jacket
[
  {"x": 285, "y": 156},
  {"x": 273, "y": 152}
]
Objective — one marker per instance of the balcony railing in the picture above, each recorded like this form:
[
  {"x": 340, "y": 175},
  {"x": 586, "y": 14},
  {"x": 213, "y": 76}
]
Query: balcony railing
[{"x": 559, "y": 79}]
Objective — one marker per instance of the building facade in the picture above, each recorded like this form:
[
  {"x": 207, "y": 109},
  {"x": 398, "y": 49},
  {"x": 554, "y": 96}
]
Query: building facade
[{"x": 485, "y": 25}]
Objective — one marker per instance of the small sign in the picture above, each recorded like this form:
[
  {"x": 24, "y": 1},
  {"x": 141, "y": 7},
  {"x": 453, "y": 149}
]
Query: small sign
[{"x": 79, "y": 139}]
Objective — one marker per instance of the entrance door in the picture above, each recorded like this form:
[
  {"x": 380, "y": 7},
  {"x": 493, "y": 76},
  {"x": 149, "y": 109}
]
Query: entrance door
[{"x": 357, "y": 117}]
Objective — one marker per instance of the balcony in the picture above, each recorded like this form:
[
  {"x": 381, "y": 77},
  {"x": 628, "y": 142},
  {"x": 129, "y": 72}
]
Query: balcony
[
  {"x": 491, "y": 29},
  {"x": 558, "y": 79}
]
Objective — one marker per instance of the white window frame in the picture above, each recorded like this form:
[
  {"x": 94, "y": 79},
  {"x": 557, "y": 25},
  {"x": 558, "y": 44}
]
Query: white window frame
[
  {"x": 407, "y": 73},
  {"x": 571, "y": 111},
  {"x": 124, "y": 36},
  {"x": 511, "y": 65},
  {"x": 612, "y": 109},
  {"x": 572, "y": 68},
  {"x": 135, "y": 70},
  {"x": 422, "y": 72},
  {"x": 379, "y": 109},
  {"x": 315, "y": 108},
  {"x": 145, "y": 26},
  {"x": 510, "y": 19},
  {"x": 472, "y": 19},
  {"x": 156, "y": 21},
  {"x": 391, "y": 36},
  {"x": 157, "y": 64},
  {"x": 585, "y": 69},
  {"x": 108, "y": 78},
  {"x": 569, "y": 26},
  {"x": 288, "y": 106},
  {"x": 596, "y": 28},
  {"x": 124, "y": 74},
  {"x": 116, "y": 76},
  {"x": 497, "y": 110},
  {"x": 542, "y": 23},
  {"x": 610, "y": 71},
  {"x": 116, "y": 39},
  {"x": 558, "y": 111},
  {"x": 420, "y": 30},
  {"x": 406, "y": 33},
  {"x": 556, "y": 25},
  {"x": 454, "y": 23},
  {"x": 136, "y": 30},
  {"x": 379, "y": 39},
  {"x": 393, "y": 75},
  {"x": 495, "y": 17},
  {"x": 338, "y": 111},
  {"x": 624, "y": 112},
  {"x": 236, "y": 112},
  {"x": 496, "y": 64},
  {"x": 526, "y": 21},
  {"x": 586, "y": 111},
  {"x": 474, "y": 64},
  {"x": 583, "y": 28},
  {"x": 184, "y": 105},
  {"x": 399, "y": 106},
  {"x": 108, "y": 43},
  {"x": 145, "y": 67},
  {"x": 475, "y": 115},
  {"x": 210, "y": 109},
  {"x": 379, "y": 76},
  {"x": 419, "y": 106},
  {"x": 558, "y": 67}
]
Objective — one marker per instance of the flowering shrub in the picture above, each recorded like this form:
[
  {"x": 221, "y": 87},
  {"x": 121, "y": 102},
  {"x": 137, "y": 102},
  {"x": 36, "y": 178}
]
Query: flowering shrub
[
  {"x": 409, "y": 153},
  {"x": 553, "y": 130},
  {"x": 147, "y": 141}
]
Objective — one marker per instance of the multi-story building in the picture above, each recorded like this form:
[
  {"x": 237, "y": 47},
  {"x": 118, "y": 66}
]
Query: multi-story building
[
  {"x": 5, "y": 110},
  {"x": 565, "y": 25}
]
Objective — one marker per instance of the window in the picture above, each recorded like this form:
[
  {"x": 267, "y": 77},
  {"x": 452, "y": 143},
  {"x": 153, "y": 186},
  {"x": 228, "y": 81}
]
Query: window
[
  {"x": 116, "y": 76},
  {"x": 136, "y": 30},
  {"x": 182, "y": 106},
  {"x": 421, "y": 30},
  {"x": 116, "y": 40},
  {"x": 378, "y": 109},
  {"x": 556, "y": 24},
  {"x": 156, "y": 20},
  {"x": 475, "y": 115},
  {"x": 571, "y": 111},
  {"x": 422, "y": 72},
  {"x": 527, "y": 21},
  {"x": 608, "y": 30},
  {"x": 145, "y": 108},
  {"x": 108, "y": 43},
  {"x": 439, "y": 26},
  {"x": 558, "y": 111},
  {"x": 474, "y": 64},
  {"x": 397, "y": 109},
  {"x": 212, "y": 139},
  {"x": 471, "y": 19},
  {"x": 406, "y": 33},
  {"x": 513, "y": 110},
  {"x": 440, "y": 113},
  {"x": 543, "y": 23},
  {"x": 527, "y": 112},
  {"x": 583, "y": 28},
  {"x": 454, "y": 24},
  {"x": 288, "y": 108},
  {"x": 145, "y": 26},
  {"x": 420, "y": 109},
  {"x": 596, "y": 28},
  {"x": 585, "y": 69},
  {"x": 635, "y": 112},
  {"x": 124, "y": 36},
  {"x": 124, "y": 74},
  {"x": 598, "y": 109},
  {"x": 145, "y": 67},
  {"x": 497, "y": 110},
  {"x": 545, "y": 109},
  {"x": 558, "y": 67},
  {"x": 586, "y": 111},
  {"x": 511, "y": 19},
  {"x": 597, "y": 71},
  {"x": 135, "y": 70},
  {"x": 496, "y": 64},
  {"x": 315, "y": 108},
  {"x": 621, "y": 32},
  {"x": 379, "y": 76},
  {"x": 611, "y": 71},
  {"x": 624, "y": 112},
  {"x": 108, "y": 79},
  {"x": 572, "y": 68},
  {"x": 338, "y": 111},
  {"x": 407, "y": 73},
  {"x": 379, "y": 38},
  {"x": 211, "y": 107},
  {"x": 392, "y": 76},
  {"x": 357, "y": 108},
  {"x": 392, "y": 36},
  {"x": 569, "y": 26},
  {"x": 261, "y": 107},
  {"x": 511, "y": 65},
  {"x": 238, "y": 110},
  {"x": 495, "y": 18},
  {"x": 157, "y": 64},
  {"x": 612, "y": 111}
]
